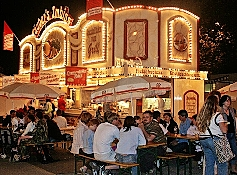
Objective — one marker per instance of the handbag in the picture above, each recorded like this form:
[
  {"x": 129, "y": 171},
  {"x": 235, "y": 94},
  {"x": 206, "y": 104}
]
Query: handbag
[{"x": 222, "y": 147}]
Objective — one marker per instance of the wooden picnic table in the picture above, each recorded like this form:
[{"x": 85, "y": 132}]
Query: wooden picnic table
[{"x": 150, "y": 148}]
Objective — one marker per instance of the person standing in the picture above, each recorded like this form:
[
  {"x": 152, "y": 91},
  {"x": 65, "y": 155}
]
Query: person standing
[
  {"x": 207, "y": 118},
  {"x": 229, "y": 115},
  {"x": 62, "y": 104},
  {"x": 48, "y": 108}
]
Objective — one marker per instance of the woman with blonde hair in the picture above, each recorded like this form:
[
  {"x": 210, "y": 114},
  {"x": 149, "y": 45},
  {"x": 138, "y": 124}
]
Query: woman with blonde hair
[
  {"x": 210, "y": 119},
  {"x": 82, "y": 125}
]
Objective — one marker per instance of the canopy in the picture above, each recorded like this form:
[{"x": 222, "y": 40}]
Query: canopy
[
  {"x": 132, "y": 87},
  {"x": 31, "y": 91}
]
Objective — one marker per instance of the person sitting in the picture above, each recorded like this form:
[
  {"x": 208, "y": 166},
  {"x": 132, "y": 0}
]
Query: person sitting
[
  {"x": 54, "y": 133},
  {"x": 88, "y": 138},
  {"x": 60, "y": 120},
  {"x": 15, "y": 120},
  {"x": 156, "y": 117},
  {"x": 172, "y": 128},
  {"x": 137, "y": 119},
  {"x": 153, "y": 133},
  {"x": 29, "y": 129},
  {"x": 105, "y": 135},
  {"x": 78, "y": 132},
  {"x": 182, "y": 145},
  {"x": 7, "y": 122},
  {"x": 196, "y": 146},
  {"x": 130, "y": 138},
  {"x": 98, "y": 114},
  {"x": 39, "y": 136}
]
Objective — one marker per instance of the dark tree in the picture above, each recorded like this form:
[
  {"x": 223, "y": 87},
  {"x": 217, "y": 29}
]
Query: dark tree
[{"x": 217, "y": 49}]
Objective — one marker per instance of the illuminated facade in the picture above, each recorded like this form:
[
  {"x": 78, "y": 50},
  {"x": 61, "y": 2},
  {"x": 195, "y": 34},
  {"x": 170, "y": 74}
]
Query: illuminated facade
[{"x": 128, "y": 41}]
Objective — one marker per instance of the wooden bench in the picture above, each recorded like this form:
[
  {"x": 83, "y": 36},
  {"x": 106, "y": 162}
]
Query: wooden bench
[
  {"x": 63, "y": 144},
  {"x": 166, "y": 158},
  {"x": 185, "y": 157},
  {"x": 124, "y": 168}
]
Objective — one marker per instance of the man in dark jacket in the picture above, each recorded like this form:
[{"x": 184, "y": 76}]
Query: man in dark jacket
[{"x": 54, "y": 133}]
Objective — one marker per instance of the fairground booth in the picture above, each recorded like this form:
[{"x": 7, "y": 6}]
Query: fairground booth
[{"x": 116, "y": 43}]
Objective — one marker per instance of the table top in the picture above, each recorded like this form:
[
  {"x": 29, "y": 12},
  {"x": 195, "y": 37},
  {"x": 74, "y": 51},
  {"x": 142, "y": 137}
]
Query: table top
[
  {"x": 179, "y": 136},
  {"x": 151, "y": 144},
  {"x": 70, "y": 128}
]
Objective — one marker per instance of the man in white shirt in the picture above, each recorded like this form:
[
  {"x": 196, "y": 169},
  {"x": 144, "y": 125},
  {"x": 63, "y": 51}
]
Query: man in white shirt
[
  {"x": 105, "y": 135},
  {"x": 61, "y": 121}
]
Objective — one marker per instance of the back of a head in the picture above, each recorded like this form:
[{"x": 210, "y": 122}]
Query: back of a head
[
  {"x": 12, "y": 111},
  {"x": 128, "y": 122},
  {"x": 31, "y": 117},
  {"x": 94, "y": 121},
  {"x": 39, "y": 115},
  {"x": 183, "y": 112},
  {"x": 59, "y": 112},
  {"x": 48, "y": 100},
  {"x": 112, "y": 116},
  {"x": 46, "y": 117},
  {"x": 156, "y": 114},
  {"x": 85, "y": 117},
  {"x": 215, "y": 93}
]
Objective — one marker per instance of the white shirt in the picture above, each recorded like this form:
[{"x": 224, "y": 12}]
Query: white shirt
[
  {"x": 104, "y": 136},
  {"x": 61, "y": 121},
  {"x": 215, "y": 130},
  {"x": 77, "y": 137},
  {"x": 130, "y": 140},
  {"x": 15, "y": 123},
  {"x": 29, "y": 128}
]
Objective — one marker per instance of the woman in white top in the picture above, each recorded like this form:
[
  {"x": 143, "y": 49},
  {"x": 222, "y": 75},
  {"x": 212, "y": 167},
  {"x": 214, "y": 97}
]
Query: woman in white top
[
  {"x": 207, "y": 118},
  {"x": 78, "y": 132},
  {"x": 29, "y": 128},
  {"x": 130, "y": 138}
]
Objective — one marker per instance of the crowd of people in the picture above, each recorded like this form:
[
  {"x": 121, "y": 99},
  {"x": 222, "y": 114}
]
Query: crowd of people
[
  {"x": 36, "y": 126},
  {"x": 109, "y": 140}
]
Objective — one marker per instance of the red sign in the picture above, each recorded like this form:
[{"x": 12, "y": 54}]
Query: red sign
[
  {"x": 7, "y": 38},
  {"x": 34, "y": 77},
  {"x": 94, "y": 9},
  {"x": 76, "y": 76}
]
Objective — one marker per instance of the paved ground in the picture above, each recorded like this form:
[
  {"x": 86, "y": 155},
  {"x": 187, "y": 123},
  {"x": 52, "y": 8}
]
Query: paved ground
[{"x": 65, "y": 166}]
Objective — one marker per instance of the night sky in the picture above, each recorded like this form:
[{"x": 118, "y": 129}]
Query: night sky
[{"x": 21, "y": 15}]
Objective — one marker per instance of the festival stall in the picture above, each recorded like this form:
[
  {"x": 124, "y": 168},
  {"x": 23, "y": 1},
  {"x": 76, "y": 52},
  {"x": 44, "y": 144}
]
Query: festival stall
[{"x": 111, "y": 44}]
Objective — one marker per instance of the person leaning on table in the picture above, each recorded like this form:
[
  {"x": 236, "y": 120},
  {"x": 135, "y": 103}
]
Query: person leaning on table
[
  {"x": 206, "y": 119},
  {"x": 153, "y": 133}
]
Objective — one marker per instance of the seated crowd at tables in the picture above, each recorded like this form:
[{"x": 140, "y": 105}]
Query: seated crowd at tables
[
  {"x": 108, "y": 141},
  {"x": 33, "y": 127}
]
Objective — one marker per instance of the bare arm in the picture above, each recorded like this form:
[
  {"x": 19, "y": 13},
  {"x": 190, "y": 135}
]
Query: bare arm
[{"x": 223, "y": 127}]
